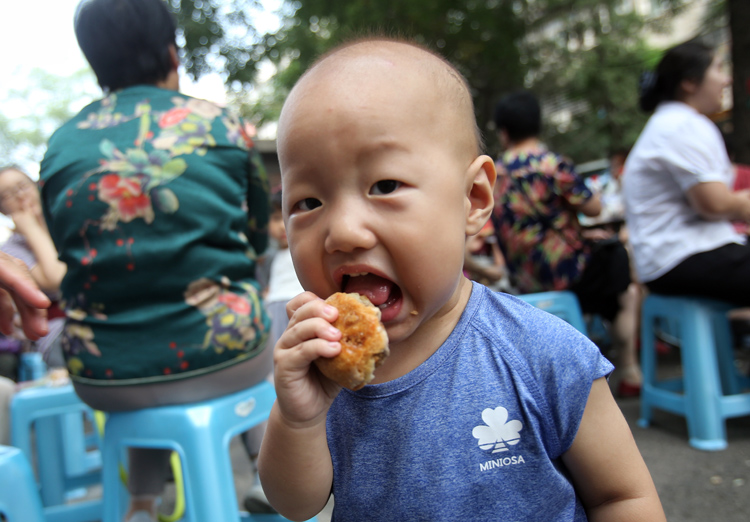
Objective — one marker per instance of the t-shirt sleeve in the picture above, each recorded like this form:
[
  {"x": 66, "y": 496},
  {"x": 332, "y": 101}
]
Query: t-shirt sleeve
[
  {"x": 567, "y": 365},
  {"x": 567, "y": 184},
  {"x": 697, "y": 154}
]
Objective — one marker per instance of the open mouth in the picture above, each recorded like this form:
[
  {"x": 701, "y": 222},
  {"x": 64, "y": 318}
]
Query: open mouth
[{"x": 380, "y": 291}]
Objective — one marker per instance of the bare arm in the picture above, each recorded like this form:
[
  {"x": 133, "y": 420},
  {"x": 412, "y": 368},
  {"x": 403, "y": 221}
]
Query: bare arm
[
  {"x": 49, "y": 270},
  {"x": 295, "y": 467},
  {"x": 713, "y": 201},
  {"x": 17, "y": 285},
  {"x": 493, "y": 273},
  {"x": 607, "y": 469},
  {"x": 294, "y": 462},
  {"x": 592, "y": 207}
]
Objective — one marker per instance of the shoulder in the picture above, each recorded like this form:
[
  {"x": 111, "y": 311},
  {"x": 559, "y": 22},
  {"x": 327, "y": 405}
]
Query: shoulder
[
  {"x": 680, "y": 123},
  {"x": 551, "y": 364},
  {"x": 554, "y": 164},
  {"x": 532, "y": 334}
]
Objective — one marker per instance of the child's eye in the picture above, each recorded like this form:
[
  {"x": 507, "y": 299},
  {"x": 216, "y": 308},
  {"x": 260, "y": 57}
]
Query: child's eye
[
  {"x": 385, "y": 186},
  {"x": 308, "y": 204}
]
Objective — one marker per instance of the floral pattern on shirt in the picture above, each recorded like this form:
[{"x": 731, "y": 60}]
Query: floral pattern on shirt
[
  {"x": 227, "y": 314},
  {"x": 538, "y": 232},
  {"x": 154, "y": 200}
]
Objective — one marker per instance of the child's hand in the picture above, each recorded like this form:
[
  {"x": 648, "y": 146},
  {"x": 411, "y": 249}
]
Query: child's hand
[{"x": 304, "y": 394}]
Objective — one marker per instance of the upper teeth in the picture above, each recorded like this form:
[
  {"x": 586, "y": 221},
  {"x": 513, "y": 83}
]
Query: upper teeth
[{"x": 357, "y": 275}]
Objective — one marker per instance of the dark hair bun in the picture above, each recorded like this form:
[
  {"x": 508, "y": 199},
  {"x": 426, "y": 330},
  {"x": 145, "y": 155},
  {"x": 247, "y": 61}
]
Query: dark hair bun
[{"x": 648, "y": 94}]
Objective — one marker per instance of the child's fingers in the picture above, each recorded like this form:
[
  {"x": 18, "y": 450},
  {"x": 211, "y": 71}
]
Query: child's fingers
[
  {"x": 309, "y": 339},
  {"x": 33, "y": 320},
  {"x": 306, "y": 306},
  {"x": 303, "y": 394},
  {"x": 299, "y": 301},
  {"x": 6, "y": 313}
]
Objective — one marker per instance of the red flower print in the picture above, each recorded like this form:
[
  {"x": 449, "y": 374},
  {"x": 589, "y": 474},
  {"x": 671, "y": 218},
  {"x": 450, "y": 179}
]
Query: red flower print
[
  {"x": 235, "y": 303},
  {"x": 173, "y": 116},
  {"x": 125, "y": 195},
  {"x": 247, "y": 131}
]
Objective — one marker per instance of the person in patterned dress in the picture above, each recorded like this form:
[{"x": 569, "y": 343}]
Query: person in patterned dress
[{"x": 537, "y": 199}]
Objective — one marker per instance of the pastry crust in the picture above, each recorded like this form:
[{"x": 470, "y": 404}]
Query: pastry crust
[{"x": 364, "y": 342}]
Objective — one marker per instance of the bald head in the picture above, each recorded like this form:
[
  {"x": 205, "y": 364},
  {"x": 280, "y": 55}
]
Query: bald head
[{"x": 382, "y": 71}]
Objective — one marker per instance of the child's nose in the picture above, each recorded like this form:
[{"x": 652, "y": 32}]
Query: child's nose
[{"x": 349, "y": 231}]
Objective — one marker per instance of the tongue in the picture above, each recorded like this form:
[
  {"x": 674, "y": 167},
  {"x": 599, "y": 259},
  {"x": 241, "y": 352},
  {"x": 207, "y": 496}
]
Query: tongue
[{"x": 375, "y": 288}]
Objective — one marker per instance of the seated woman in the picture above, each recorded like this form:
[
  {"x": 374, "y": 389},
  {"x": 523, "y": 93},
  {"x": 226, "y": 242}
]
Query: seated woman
[
  {"x": 537, "y": 201},
  {"x": 678, "y": 185},
  {"x": 158, "y": 205},
  {"x": 32, "y": 244}
]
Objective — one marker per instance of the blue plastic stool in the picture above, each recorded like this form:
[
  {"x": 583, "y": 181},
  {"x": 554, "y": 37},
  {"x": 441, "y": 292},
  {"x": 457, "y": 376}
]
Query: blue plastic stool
[
  {"x": 31, "y": 367},
  {"x": 65, "y": 462},
  {"x": 710, "y": 389},
  {"x": 564, "y": 304},
  {"x": 200, "y": 433},
  {"x": 19, "y": 498}
]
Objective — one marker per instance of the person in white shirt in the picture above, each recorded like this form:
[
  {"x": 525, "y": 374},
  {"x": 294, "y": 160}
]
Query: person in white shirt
[{"x": 678, "y": 184}]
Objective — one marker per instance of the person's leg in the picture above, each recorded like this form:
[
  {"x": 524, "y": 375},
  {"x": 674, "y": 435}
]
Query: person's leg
[
  {"x": 606, "y": 288},
  {"x": 624, "y": 335},
  {"x": 723, "y": 273},
  {"x": 7, "y": 389},
  {"x": 147, "y": 475}
]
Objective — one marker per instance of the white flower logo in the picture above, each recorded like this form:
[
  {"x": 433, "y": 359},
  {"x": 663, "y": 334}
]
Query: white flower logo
[{"x": 499, "y": 432}]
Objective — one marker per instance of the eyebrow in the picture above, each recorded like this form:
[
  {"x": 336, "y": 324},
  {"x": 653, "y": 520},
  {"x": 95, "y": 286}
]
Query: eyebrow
[{"x": 380, "y": 146}]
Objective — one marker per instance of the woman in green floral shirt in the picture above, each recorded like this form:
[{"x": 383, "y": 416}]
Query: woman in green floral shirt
[{"x": 158, "y": 205}]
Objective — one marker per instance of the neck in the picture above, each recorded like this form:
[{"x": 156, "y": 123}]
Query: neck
[
  {"x": 171, "y": 82},
  {"x": 525, "y": 145}
]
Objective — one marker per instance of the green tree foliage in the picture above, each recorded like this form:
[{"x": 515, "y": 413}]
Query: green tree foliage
[
  {"x": 479, "y": 37},
  {"x": 583, "y": 57},
  {"x": 588, "y": 57},
  {"x": 217, "y": 36},
  {"x": 30, "y": 114}
]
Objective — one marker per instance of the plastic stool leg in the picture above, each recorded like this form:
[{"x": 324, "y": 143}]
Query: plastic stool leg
[
  {"x": 725, "y": 354},
  {"x": 50, "y": 465},
  {"x": 19, "y": 498},
  {"x": 703, "y": 392},
  {"x": 114, "y": 493},
  {"x": 648, "y": 363}
]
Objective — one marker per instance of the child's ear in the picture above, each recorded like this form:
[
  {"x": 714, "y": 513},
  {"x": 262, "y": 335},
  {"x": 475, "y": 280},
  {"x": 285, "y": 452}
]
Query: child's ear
[{"x": 480, "y": 177}]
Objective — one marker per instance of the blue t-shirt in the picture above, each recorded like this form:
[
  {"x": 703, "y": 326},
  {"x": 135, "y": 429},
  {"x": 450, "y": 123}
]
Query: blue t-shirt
[{"x": 474, "y": 433}]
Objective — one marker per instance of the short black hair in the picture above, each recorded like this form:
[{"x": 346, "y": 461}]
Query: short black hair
[
  {"x": 126, "y": 42},
  {"x": 276, "y": 201},
  {"x": 519, "y": 115},
  {"x": 687, "y": 61}
]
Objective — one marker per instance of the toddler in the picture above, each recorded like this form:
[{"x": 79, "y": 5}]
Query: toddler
[{"x": 486, "y": 407}]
